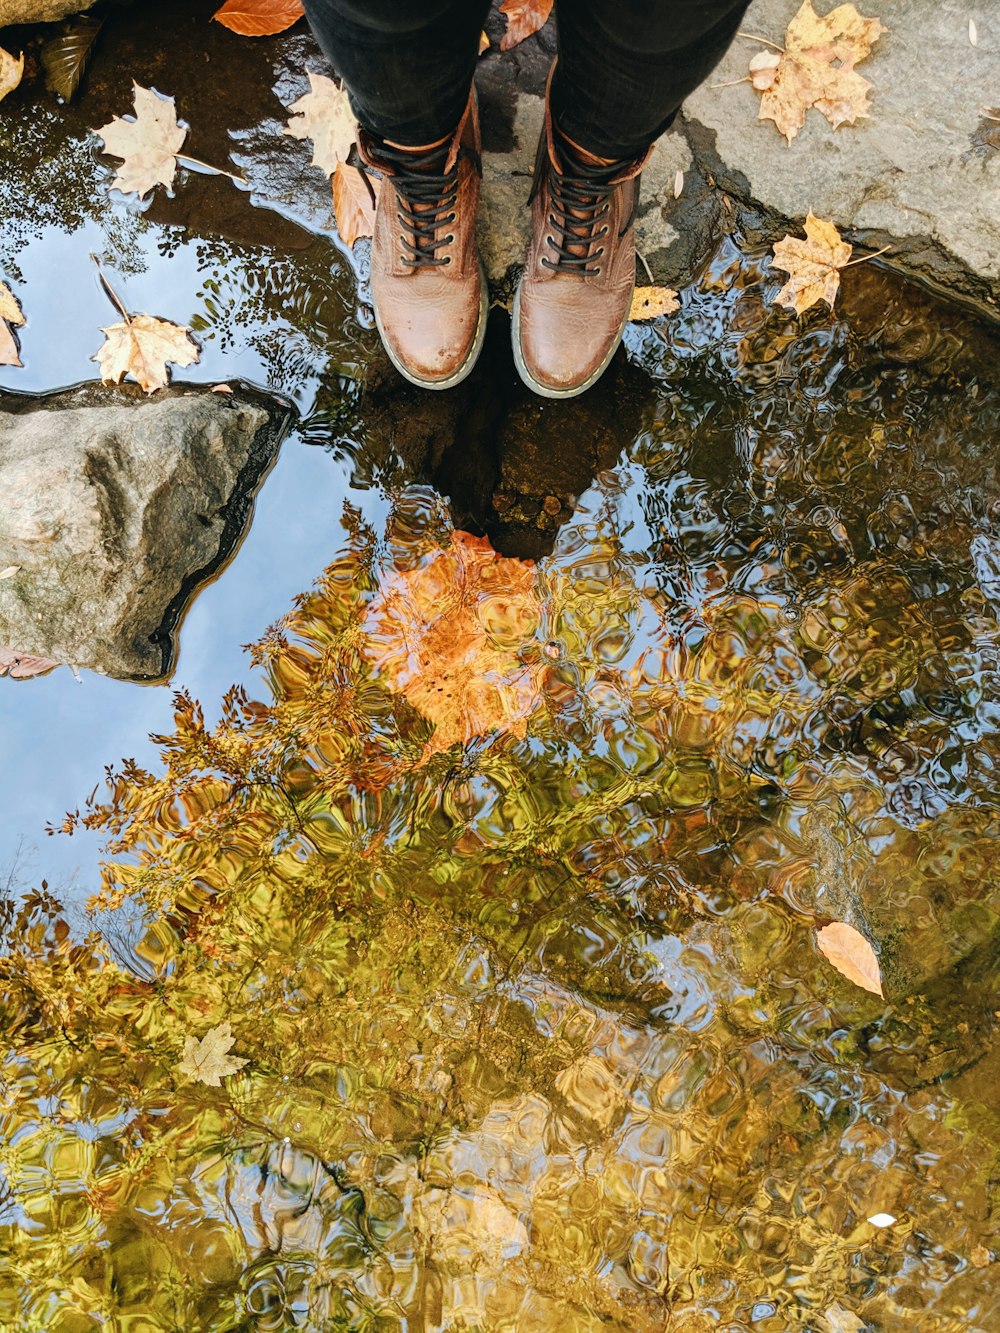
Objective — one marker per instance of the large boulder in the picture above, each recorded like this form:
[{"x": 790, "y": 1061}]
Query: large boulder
[{"x": 116, "y": 508}]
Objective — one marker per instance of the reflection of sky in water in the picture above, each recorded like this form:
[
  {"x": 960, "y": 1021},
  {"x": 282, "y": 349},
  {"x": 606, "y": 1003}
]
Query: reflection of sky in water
[{"x": 57, "y": 733}]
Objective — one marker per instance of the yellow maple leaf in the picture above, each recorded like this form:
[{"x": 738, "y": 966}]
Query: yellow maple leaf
[
  {"x": 11, "y": 72},
  {"x": 148, "y": 143},
  {"x": 324, "y": 115},
  {"x": 209, "y": 1060},
  {"x": 141, "y": 346},
  {"x": 651, "y": 302},
  {"x": 813, "y": 265},
  {"x": 816, "y": 69},
  {"x": 447, "y": 634}
]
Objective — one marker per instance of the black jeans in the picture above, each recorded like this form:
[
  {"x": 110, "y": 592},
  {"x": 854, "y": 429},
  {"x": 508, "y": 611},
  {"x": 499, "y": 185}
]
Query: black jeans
[{"x": 625, "y": 66}]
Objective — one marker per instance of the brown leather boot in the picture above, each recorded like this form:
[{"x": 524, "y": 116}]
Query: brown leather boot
[
  {"x": 576, "y": 290},
  {"x": 428, "y": 285}
]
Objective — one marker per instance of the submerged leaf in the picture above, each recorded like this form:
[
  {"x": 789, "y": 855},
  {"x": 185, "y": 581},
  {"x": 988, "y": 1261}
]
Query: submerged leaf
[
  {"x": 324, "y": 115},
  {"x": 66, "y": 56},
  {"x": 11, "y": 72},
  {"x": 209, "y": 1060},
  {"x": 141, "y": 347},
  {"x": 259, "y": 18},
  {"x": 852, "y": 956}
]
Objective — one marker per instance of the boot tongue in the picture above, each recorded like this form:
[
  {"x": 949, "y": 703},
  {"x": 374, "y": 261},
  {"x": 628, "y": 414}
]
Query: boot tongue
[{"x": 569, "y": 159}]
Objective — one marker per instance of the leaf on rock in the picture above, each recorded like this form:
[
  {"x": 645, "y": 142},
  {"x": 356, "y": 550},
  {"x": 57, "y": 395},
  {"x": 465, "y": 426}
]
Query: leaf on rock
[
  {"x": 324, "y": 115},
  {"x": 209, "y": 1060},
  {"x": 11, "y": 72},
  {"x": 813, "y": 265},
  {"x": 148, "y": 144},
  {"x": 816, "y": 69},
  {"x": 21, "y": 666},
  {"x": 10, "y": 313},
  {"x": 524, "y": 17},
  {"x": 447, "y": 635},
  {"x": 352, "y": 204},
  {"x": 66, "y": 56},
  {"x": 651, "y": 302},
  {"x": 141, "y": 346},
  {"x": 259, "y": 18},
  {"x": 851, "y": 954}
]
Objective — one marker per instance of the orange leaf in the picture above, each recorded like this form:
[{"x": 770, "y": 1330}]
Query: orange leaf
[
  {"x": 20, "y": 666},
  {"x": 813, "y": 265},
  {"x": 447, "y": 634},
  {"x": 259, "y": 18},
  {"x": 851, "y": 954},
  {"x": 352, "y": 205},
  {"x": 524, "y": 17}
]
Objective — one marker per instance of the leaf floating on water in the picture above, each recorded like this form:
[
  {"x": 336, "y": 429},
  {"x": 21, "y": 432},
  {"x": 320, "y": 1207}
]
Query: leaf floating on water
[
  {"x": 147, "y": 144},
  {"x": 259, "y": 18},
  {"x": 851, "y": 954},
  {"x": 882, "y": 1220},
  {"x": 11, "y": 72},
  {"x": 22, "y": 666},
  {"x": 324, "y": 115},
  {"x": 980, "y": 1257},
  {"x": 813, "y": 265},
  {"x": 816, "y": 69},
  {"x": 66, "y": 56},
  {"x": 10, "y": 313},
  {"x": 524, "y": 17},
  {"x": 141, "y": 346},
  {"x": 352, "y": 204},
  {"x": 651, "y": 302},
  {"x": 209, "y": 1060}
]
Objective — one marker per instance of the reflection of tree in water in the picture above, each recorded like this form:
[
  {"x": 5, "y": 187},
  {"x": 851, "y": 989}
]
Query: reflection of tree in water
[{"x": 537, "y": 1031}]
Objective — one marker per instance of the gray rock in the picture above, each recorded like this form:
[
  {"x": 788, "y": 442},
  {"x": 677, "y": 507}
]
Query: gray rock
[
  {"x": 918, "y": 173},
  {"x": 116, "y": 508},
  {"x": 38, "y": 11}
]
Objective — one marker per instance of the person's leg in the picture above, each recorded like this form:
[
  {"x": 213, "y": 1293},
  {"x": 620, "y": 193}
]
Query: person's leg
[
  {"x": 624, "y": 68},
  {"x": 407, "y": 66}
]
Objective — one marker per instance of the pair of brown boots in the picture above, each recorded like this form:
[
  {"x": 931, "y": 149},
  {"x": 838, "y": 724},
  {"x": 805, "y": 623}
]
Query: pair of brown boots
[{"x": 428, "y": 283}]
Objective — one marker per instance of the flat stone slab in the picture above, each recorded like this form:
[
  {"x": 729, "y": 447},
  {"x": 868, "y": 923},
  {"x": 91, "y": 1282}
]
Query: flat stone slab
[{"x": 117, "y": 507}]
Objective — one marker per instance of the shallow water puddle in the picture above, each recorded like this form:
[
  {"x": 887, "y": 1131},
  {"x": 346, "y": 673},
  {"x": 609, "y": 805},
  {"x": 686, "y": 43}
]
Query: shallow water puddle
[{"x": 507, "y": 876}]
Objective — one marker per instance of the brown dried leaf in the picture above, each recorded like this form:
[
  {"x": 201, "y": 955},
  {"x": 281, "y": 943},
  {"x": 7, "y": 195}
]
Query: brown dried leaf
[
  {"x": 813, "y": 265},
  {"x": 851, "y": 954},
  {"x": 148, "y": 144},
  {"x": 324, "y": 115},
  {"x": 11, "y": 72},
  {"x": 352, "y": 204},
  {"x": 524, "y": 17},
  {"x": 259, "y": 18},
  {"x": 817, "y": 69},
  {"x": 209, "y": 1060},
  {"x": 446, "y": 635},
  {"x": 141, "y": 347},
  {"x": 651, "y": 302},
  {"x": 21, "y": 666}
]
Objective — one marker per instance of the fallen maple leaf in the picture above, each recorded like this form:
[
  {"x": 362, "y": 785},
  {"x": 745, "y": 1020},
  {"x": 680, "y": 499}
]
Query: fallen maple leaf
[
  {"x": 148, "y": 144},
  {"x": 324, "y": 115},
  {"x": 208, "y": 1060},
  {"x": 21, "y": 666},
  {"x": 524, "y": 17},
  {"x": 851, "y": 954},
  {"x": 816, "y": 69},
  {"x": 813, "y": 265},
  {"x": 11, "y": 72},
  {"x": 10, "y": 313},
  {"x": 352, "y": 204},
  {"x": 141, "y": 346},
  {"x": 651, "y": 302},
  {"x": 259, "y": 18},
  {"x": 446, "y": 635}
]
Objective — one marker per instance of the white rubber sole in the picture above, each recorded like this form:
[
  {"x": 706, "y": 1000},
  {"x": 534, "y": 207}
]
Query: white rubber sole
[
  {"x": 543, "y": 390},
  {"x": 467, "y": 366}
]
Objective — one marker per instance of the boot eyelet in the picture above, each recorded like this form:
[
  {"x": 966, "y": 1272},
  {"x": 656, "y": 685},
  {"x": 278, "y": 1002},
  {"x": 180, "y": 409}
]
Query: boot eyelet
[
  {"x": 598, "y": 253},
  {"x": 447, "y": 261},
  {"x": 448, "y": 240}
]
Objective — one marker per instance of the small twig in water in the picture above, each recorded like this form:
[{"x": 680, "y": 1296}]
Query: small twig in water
[
  {"x": 649, "y": 273},
  {"x": 865, "y": 258},
  {"x": 219, "y": 171},
  {"x": 110, "y": 292}
]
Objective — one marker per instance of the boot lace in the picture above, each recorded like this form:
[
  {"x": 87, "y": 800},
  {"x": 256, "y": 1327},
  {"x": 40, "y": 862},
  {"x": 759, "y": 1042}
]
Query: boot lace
[
  {"x": 579, "y": 201},
  {"x": 427, "y": 195}
]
